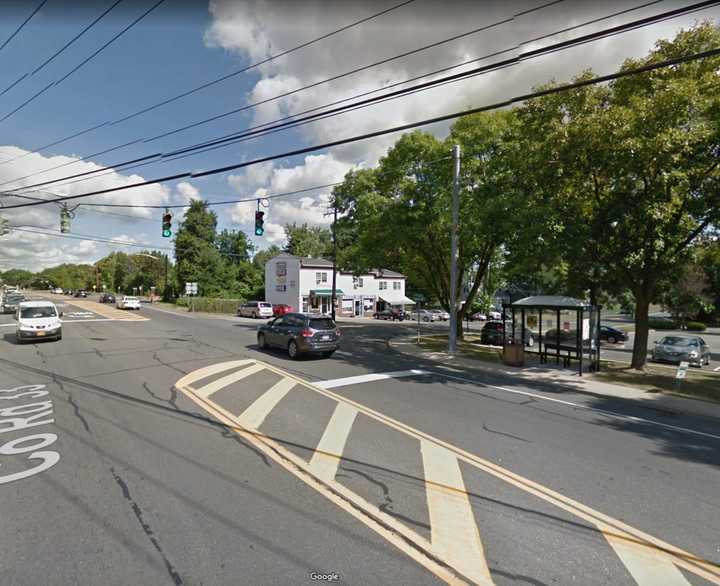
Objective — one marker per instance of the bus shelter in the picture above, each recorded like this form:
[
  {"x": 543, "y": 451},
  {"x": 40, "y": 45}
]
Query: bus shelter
[{"x": 554, "y": 326}]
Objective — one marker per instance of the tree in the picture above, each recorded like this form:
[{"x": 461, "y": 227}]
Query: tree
[
  {"x": 234, "y": 246},
  {"x": 398, "y": 215},
  {"x": 624, "y": 179},
  {"x": 19, "y": 277},
  {"x": 304, "y": 240}
]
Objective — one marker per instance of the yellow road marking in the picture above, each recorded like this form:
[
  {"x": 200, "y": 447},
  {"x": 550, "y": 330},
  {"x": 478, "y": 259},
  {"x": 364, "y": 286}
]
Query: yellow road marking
[
  {"x": 254, "y": 415},
  {"x": 227, "y": 380},
  {"x": 407, "y": 541},
  {"x": 454, "y": 533},
  {"x": 646, "y": 567},
  {"x": 107, "y": 311},
  {"x": 325, "y": 460},
  {"x": 202, "y": 373},
  {"x": 610, "y": 527}
]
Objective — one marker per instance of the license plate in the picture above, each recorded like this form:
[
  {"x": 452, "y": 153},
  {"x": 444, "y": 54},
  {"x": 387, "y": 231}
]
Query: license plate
[
  {"x": 325, "y": 338},
  {"x": 40, "y": 333}
]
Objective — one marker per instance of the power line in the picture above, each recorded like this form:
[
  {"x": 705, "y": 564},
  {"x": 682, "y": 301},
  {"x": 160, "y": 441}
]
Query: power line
[
  {"x": 265, "y": 129},
  {"x": 215, "y": 81},
  {"x": 81, "y": 64},
  {"x": 90, "y": 238},
  {"x": 22, "y": 25},
  {"x": 62, "y": 49},
  {"x": 495, "y": 106}
]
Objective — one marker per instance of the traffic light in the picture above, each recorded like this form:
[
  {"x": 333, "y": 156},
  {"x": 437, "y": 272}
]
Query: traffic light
[
  {"x": 167, "y": 224},
  {"x": 65, "y": 217},
  {"x": 259, "y": 221}
]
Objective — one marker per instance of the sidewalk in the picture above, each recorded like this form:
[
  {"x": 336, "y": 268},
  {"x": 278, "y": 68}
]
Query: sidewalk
[{"x": 551, "y": 373}]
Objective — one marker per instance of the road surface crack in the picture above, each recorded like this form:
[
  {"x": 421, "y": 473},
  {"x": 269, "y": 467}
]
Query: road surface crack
[
  {"x": 517, "y": 437},
  {"x": 231, "y": 435},
  {"x": 146, "y": 527},
  {"x": 150, "y": 392},
  {"x": 168, "y": 364},
  {"x": 76, "y": 410}
]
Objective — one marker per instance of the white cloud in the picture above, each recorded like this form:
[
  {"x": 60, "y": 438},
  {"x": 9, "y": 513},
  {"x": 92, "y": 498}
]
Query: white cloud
[{"x": 187, "y": 191}]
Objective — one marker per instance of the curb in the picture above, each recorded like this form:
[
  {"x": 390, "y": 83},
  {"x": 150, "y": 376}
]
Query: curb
[{"x": 683, "y": 405}]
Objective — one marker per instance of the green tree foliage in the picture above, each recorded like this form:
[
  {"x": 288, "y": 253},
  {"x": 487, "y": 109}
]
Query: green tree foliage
[
  {"x": 622, "y": 180},
  {"x": 17, "y": 277},
  {"x": 305, "y": 240},
  {"x": 397, "y": 216}
]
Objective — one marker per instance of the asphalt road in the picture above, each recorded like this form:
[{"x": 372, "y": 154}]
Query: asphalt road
[{"x": 153, "y": 447}]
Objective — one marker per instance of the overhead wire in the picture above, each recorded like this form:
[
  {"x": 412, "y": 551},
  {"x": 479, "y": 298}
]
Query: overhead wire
[
  {"x": 62, "y": 49},
  {"x": 264, "y": 129},
  {"x": 81, "y": 64},
  {"x": 215, "y": 81},
  {"x": 22, "y": 25},
  {"x": 428, "y": 121}
]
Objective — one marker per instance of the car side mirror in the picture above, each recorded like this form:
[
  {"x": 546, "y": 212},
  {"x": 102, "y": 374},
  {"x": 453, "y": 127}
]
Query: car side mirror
[{"x": 60, "y": 314}]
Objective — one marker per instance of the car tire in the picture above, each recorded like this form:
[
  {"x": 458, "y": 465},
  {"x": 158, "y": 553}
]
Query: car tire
[
  {"x": 328, "y": 354},
  {"x": 261, "y": 341},
  {"x": 59, "y": 336},
  {"x": 611, "y": 340},
  {"x": 292, "y": 350},
  {"x": 255, "y": 315}
]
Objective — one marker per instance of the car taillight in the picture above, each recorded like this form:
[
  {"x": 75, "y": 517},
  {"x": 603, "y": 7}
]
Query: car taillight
[{"x": 307, "y": 333}]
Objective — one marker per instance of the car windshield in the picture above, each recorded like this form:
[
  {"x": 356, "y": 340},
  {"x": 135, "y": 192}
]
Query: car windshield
[
  {"x": 678, "y": 341},
  {"x": 131, "y": 298},
  {"x": 38, "y": 312},
  {"x": 322, "y": 323},
  {"x": 264, "y": 305}
]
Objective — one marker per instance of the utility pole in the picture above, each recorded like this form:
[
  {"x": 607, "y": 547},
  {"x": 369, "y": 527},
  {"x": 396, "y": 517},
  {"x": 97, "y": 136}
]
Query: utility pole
[
  {"x": 166, "y": 268},
  {"x": 452, "y": 338},
  {"x": 334, "y": 279}
]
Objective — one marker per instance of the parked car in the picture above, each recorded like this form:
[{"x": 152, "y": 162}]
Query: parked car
[
  {"x": 58, "y": 291},
  {"x": 300, "y": 333},
  {"x": 612, "y": 335},
  {"x": 479, "y": 316},
  {"x": 676, "y": 349},
  {"x": 255, "y": 309},
  {"x": 440, "y": 314},
  {"x": 492, "y": 333},
  {"x": 281, "y": 309},
  {"x": 565, "y": 339},
  {"x": 80, "y": 293},
  {"x": 390, "y": 314},
  {"x": 11, "y": 301},
  {"x": 127, "y": 302},
  {"x": 496, "y": 315},
  {"x": 107, "y": 298},
  {"x": 424, "y": 315},
  {"x": 38, "y": 319},
  {"x": 68, "y": 291}
]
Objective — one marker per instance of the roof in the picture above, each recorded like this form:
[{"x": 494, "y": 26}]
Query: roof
[
  {"x": 36, "y": 304},
  {"x": 550, "y": 301},
  {"x": 307, "y": 261},
  {"x": 386, "y": 273}
]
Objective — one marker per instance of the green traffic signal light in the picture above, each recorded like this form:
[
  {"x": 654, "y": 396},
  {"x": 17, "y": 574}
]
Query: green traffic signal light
[
  {"x": 167, "y": 224},
  {"x": 167, "y": 233},
  {"x": 259, "y": 221}
]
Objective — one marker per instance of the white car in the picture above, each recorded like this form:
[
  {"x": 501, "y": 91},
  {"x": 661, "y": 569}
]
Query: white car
[
  {"x": 494, "y": 315},
  {"x": 255, "y": 309},
  {"x": 422, "y": 315},
  {"x": 128, "y": 303},
  {"x": 38, "y": 319},
  {"x": 440, "y": 314},
  {"x": 58, "y": 291}
]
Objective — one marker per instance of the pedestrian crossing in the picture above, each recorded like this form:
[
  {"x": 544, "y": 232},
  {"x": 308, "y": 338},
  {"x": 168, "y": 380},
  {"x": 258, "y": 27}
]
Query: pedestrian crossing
[
  {"x": 428, "y": 502},
  {"x": 108, "y": 311}
]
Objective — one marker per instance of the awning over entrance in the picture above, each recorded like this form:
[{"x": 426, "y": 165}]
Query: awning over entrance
[
  {"x": 398, "y": 299},
  {"x": 325, "y": 292}
]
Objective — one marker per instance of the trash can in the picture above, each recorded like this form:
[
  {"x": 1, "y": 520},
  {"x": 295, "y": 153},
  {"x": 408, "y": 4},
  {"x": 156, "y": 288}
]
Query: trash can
[{"x": 514, "y": 353}]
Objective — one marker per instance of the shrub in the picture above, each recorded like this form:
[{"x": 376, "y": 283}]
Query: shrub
[
  {"x": 696, "y": 326},
  {"x": 210, "y": 304},
  {"x": 662, "y": 324}
]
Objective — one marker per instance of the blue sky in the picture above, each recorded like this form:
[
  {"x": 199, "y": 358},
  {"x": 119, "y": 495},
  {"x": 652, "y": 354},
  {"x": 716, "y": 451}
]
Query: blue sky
[{"x": 186, "y": 43}]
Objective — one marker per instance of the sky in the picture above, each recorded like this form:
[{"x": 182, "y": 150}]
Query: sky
[{"x": 182, "y": 44}]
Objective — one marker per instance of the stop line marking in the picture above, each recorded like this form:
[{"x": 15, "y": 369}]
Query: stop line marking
[{"x": 454, "y": 552}]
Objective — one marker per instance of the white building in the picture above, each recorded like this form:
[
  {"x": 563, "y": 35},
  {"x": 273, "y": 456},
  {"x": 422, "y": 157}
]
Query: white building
[{"x": 305, "y": 284}]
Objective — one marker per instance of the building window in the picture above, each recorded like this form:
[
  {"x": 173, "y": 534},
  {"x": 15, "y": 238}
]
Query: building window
[
  {"x": 357, "y": 282},
  {"x": 292, "y": 284},
  {"x": 280, "y": 287},
  {"x": 397, "y": 285},
  {"x": 383, "y": 285},
  {"x": 281, "y": 269},
  {"x": 320, "y": 278}
]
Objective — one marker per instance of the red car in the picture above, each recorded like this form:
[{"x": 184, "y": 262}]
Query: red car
[{"x": 281, "y": 309}]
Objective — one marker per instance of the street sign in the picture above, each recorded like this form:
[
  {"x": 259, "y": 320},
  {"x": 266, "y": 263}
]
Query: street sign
[
  {"x": 191, "y": 288},
  {"x": 681, "y": 370}
]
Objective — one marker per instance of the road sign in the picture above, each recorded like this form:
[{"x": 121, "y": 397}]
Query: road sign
[
  {"x": 191, "y": 288},
  {"x": 681, "y": 370}
]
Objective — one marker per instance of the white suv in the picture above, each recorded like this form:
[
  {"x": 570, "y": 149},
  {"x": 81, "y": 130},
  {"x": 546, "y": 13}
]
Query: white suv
[
  {"x": 128, "y": 303},
  {"x": 38, "y": 319},
  {"x": 255, "y": 309}
]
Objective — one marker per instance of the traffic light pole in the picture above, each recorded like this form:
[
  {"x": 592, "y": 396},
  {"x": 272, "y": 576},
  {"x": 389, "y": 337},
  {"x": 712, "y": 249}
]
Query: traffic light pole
[{"x": 452, "y": 337}]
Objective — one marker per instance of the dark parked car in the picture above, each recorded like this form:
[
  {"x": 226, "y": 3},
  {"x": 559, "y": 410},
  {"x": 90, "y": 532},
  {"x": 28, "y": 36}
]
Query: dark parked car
[
  {"x": 390, "y": 314},
  {"x": 80, "y": 293},
  {"x": 612, "y": 335},
  {"x": 300, "y": 333},
  {"x": 281, "y": 309},
  {"x": 107, "y": 298},
  {"x": 492, "y": 333}
]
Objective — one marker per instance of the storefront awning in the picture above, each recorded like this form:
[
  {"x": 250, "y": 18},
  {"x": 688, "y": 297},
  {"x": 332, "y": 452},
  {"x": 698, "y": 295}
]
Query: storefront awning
[
  {"x": 325, "y": 292},
  {"x": 398, "y": 299}
]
